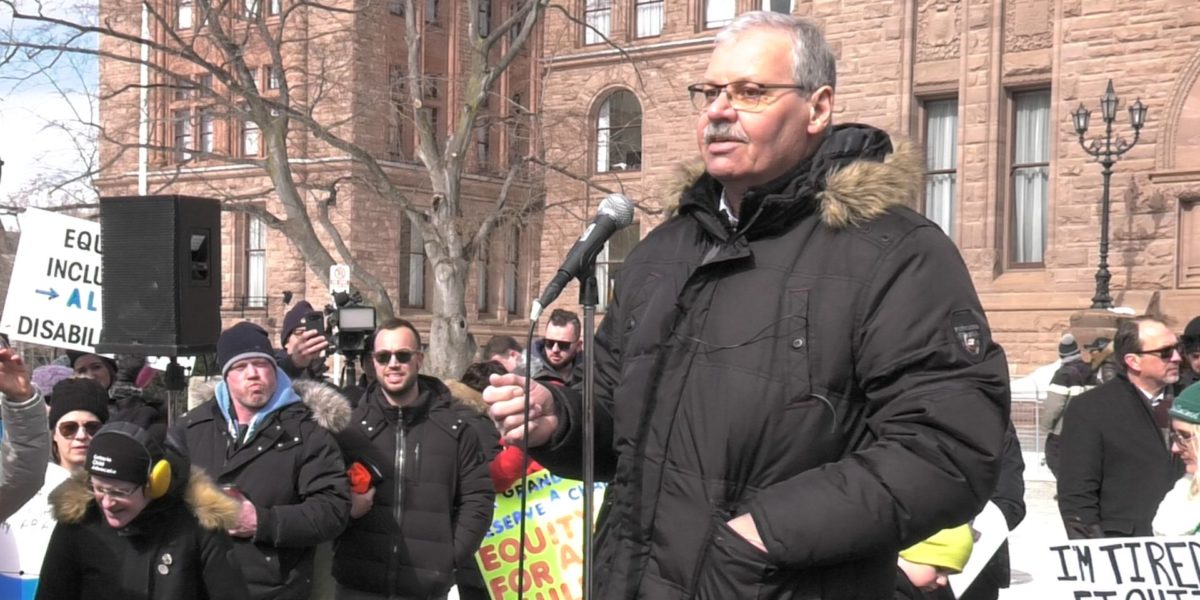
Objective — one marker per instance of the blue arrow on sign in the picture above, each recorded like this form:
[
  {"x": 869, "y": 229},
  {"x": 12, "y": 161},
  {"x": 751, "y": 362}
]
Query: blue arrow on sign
[{"x": 50, "y": 295}]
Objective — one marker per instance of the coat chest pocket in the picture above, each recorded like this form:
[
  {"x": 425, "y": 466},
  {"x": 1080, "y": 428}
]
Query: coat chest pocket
[{"x": 796, "y": 339}]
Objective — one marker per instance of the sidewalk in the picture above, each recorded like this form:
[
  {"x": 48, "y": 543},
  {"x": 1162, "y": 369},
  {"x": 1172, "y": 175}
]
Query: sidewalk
[{"x": 1041, "y": 528}]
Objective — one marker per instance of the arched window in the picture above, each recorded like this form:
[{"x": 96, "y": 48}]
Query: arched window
[{"x": 619, "y": 133}]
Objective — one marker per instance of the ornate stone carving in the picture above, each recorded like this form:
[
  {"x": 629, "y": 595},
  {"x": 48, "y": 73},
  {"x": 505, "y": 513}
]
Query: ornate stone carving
[
  {"x": 939, "y": 29},
  {"x": 1028, "y": 25}
]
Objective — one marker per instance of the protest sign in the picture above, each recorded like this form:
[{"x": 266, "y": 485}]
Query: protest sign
[
  {"x": 54, "y": 292},
  {"x": 24, "y": 538},
  {"x": 1157, "y": 568},
  {"x": 553, "y": 540}
]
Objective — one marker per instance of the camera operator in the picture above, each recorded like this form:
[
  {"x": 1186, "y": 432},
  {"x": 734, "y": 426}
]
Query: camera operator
[{"x": 303, "y": 343}]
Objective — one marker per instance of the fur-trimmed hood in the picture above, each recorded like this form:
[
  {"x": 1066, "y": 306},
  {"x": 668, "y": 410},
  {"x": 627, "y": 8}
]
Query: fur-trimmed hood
[
  {"x": 466, "y": 396},
  {"x": 857, "y": 174},
  {"x": 330, "y": 408},
  {"x": 70, "y": 501}
]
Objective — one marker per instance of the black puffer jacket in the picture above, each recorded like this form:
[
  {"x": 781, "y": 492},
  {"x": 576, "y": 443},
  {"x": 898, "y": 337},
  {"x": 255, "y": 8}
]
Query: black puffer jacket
[
  {"x": 825, "y": 368},
  {"x": 292, "y": 470},
  {"x": 431, "y": 510},
  {"x": 176, "y": 549}
]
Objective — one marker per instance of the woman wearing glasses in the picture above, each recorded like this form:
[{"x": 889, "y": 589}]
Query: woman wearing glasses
[
  {"x": 1179, "y": 511},
  {"x": 133, "y": 525}
]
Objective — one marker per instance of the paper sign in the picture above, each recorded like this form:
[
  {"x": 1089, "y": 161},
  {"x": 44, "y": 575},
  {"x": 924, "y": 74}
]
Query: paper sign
[
  {"x": 1120, "y": 569},
  {"x": 553, "y": 539},
  {"x": 54, "y": 293}
]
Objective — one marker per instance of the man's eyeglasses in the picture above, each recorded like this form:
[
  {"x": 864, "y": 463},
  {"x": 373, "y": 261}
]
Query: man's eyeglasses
[
  {"x": 68, "y": 429},
  {"x": 384, "y": 357},
  {"x": 1165, "y": 353},
  {"x": 745, "y": 96},
  {"x": 1183, "y": 438},
  {"x": 561, "y": 345},
  {"x": 112, "y": 492}
]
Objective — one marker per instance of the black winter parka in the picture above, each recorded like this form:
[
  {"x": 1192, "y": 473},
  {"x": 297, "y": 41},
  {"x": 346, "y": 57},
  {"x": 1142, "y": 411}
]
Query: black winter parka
[
  {"x": 293, "y": 472},
  {"x": 176, "y": 549},
  {"x": 826, "y": 367},
  {"x": 434, "y": 504}
]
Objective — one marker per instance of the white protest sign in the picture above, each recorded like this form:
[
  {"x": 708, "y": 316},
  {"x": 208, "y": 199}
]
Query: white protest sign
[
  {"x": 54, "y": 293},
  {"x": 1120, "y": 569},
  {"x": 991, "y": 530},
  {"x": 339, "y": 278}
]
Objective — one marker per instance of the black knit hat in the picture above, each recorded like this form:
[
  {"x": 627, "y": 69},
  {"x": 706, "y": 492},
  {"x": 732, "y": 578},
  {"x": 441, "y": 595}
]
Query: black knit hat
[
  {"x": 117, "y": 455},
  {"x": 1068, "y": 348},
  {"x": 75, "y": 355},
  {"x": 1191, "y": 336},
  {"x": 243, "y": 340},
  {"x": 78, "y": 394},
  {"x": 293, "y": 319}
]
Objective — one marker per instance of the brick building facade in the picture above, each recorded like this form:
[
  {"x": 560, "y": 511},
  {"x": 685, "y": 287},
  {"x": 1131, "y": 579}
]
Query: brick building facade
[
  {"x": 346, "y": 69},
  {"x": 987, "y": 87}
]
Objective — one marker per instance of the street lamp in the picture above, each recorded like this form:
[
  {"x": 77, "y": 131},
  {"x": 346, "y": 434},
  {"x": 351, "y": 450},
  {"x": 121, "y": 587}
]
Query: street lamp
[{"x": 1106, "y": 150}]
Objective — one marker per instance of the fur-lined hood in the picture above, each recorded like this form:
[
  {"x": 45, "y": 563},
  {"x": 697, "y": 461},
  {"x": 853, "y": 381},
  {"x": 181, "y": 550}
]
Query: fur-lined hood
[
  {"x": 466, "y": 396},
  {"x": 330, "y": 408},
  {"x": 857, "y": 174},
  {"x": 69, "y": 502}
]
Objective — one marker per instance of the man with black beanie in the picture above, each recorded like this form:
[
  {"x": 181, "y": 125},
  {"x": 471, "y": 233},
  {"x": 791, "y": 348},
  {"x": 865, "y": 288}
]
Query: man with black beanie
[
  {"x": 1072, "y": 378},
  {"x": 269, "y": 441},
  {"x": 303, "y": 348}
]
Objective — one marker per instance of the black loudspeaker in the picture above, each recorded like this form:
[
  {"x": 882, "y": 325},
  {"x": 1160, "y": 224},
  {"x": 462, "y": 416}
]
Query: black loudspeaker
[{"x": 162, "y": 275}]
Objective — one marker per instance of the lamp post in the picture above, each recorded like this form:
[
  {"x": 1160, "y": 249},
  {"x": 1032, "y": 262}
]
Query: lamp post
[{"x": 1106, "y": 150}]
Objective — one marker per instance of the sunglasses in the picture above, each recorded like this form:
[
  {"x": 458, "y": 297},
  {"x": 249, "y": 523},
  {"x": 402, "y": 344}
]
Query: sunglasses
[
  {"x": 68, "y": 429},
  {"x": 112, "y": 492},
  {"x": 562, "y": 346},
  {"x": 1165, "y": 353},
  {"x": 1180, "y": 437},
  {"x": 384, "y": 357}
]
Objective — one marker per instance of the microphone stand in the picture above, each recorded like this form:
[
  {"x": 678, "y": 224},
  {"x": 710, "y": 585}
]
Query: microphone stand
[{"x": 589, "y": 296}]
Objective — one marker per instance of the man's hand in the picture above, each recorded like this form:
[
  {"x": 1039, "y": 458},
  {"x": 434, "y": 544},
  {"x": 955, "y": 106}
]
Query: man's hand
[
  {"x": 744, "y": 526},
  {"x": 306, "y": 346},
  {"x": 360, "y": 504},
  {"x": 14, "y": 376},
  {"x": 247, "y": 521},
  {"x": 506, "y": 399}
]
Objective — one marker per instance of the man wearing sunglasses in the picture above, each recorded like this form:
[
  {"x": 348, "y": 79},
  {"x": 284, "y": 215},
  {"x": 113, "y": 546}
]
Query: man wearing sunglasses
[
  {"x": 1190, "y": 367},
  {"x": 430, "y": 510},
  {"x": 795, "y": 378},
  {"x": 560, "y": 351},
  {"x": 270, "y": 443},
  {"x": 1116, "y": 464}
]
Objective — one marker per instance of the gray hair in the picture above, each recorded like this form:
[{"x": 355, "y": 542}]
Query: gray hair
[{"x": 813, "y": 65}]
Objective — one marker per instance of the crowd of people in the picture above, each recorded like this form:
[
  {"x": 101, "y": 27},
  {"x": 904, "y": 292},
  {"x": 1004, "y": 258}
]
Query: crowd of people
[{"x": 783, "y": 409}]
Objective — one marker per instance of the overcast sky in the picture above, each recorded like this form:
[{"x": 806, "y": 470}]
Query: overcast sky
[{"x": 39, "y": 95}]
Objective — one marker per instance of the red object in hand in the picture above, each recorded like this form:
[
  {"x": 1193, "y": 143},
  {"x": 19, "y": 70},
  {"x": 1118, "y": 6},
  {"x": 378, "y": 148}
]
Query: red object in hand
[{"x": 360, "y": 478}]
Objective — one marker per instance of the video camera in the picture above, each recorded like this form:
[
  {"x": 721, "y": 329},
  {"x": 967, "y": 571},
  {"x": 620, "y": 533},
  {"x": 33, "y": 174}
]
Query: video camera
[{"x": 346, "y": 323}]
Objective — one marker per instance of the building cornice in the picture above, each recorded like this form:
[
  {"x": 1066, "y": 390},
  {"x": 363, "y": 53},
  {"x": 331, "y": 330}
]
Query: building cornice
[{"x": 618, "y": 54}]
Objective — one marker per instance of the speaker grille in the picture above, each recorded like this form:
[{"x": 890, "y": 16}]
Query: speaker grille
[{"x": 145, "y": 247}]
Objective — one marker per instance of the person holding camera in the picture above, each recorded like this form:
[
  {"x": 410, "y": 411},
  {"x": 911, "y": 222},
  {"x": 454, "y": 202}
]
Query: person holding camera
[
  {"x": 270, "y": 442},
  {"x": 304, "y": 343}
]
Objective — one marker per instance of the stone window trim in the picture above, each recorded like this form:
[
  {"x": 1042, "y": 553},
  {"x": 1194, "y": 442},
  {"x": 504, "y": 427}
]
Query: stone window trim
[
  {"x": 616, "y": 140},
  {"x": 939, "y": 123},
  {"x": 1030, "y": 145},
  {"x": 649, "y": 18}
]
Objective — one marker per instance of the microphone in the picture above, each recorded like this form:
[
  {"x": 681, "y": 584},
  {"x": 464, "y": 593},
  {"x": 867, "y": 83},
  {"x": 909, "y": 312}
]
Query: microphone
[{"x": 615, "y": 213}]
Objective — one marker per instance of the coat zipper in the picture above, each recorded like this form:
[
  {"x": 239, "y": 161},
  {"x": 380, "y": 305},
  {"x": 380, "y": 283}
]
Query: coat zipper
[{"x": 398, "y": 507}]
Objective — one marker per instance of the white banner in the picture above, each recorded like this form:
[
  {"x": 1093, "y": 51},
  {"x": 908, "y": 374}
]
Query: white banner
[
  {"x": 1120, "y": 569},
  {"x": 54, "y": 293}
]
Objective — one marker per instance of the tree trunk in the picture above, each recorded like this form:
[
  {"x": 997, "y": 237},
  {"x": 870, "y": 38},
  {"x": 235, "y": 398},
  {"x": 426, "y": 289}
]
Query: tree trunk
[{"x": 450, "y": 347}]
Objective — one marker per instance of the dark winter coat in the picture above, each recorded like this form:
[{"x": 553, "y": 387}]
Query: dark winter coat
[
  {"x": 177, "y": 549},
  {"x": 825, "y": 368},
  {"x": 1116, "y": 464},
  {"x": 431, "y": 510},
  {"x": 293, "y": 472}
]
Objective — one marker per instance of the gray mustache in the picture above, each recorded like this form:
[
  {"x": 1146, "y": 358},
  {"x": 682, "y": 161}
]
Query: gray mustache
[{"x": 723, "y": 132}]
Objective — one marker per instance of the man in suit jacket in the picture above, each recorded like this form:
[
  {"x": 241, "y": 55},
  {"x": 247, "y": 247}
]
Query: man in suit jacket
[{"x": 1116, "y": 464}]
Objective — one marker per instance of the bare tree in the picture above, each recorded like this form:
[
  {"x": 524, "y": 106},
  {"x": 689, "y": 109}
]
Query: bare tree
[{"x": 284, "y": 73}]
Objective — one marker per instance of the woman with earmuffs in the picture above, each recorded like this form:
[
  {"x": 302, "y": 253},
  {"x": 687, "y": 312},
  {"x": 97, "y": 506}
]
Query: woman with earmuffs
[{"x": 135, "y": 524}]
